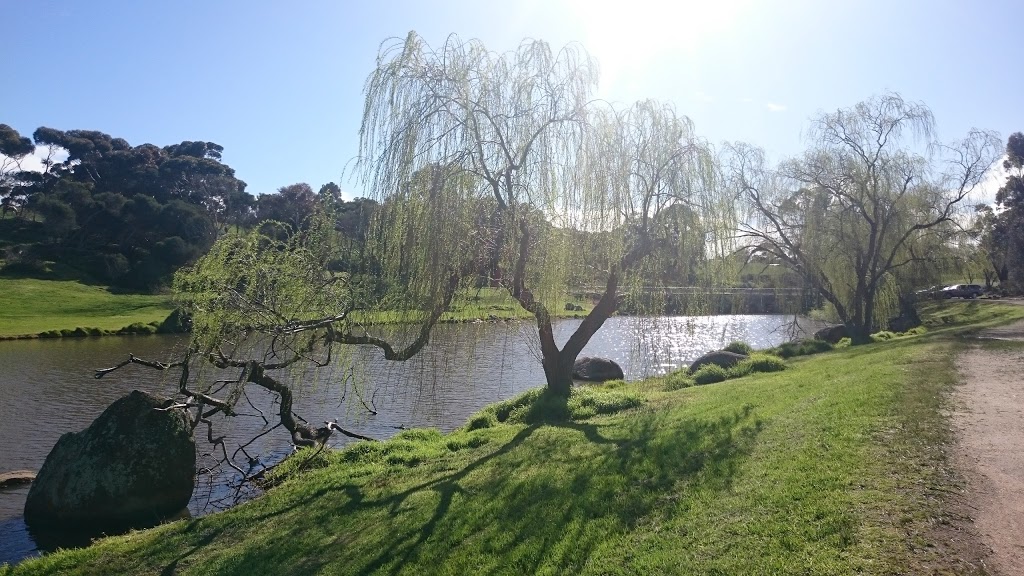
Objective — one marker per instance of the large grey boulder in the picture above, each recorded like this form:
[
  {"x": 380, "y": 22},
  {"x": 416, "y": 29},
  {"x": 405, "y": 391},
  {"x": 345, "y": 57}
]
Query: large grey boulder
[
  {"x": 596, "y": 369},
  {"x": 133, "y": 465},
  {"x": 723, "y": 358},
  {"x": 832, "y": 334}
]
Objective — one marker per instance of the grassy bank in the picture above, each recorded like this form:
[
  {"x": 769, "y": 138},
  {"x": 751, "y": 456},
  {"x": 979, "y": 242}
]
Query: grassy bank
[
  {"x": 30, "y": 306},
  {"x": 833, "y": 466}
]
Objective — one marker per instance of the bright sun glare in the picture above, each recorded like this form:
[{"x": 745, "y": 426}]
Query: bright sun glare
[{"x": 627, "y": 36}]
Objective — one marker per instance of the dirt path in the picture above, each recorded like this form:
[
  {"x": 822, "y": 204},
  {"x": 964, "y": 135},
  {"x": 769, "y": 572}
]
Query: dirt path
[{"x": 989, "y": 422}]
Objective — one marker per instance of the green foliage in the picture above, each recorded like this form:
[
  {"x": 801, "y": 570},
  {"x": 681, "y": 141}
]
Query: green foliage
[
  {"x": 122, "y": 215},
  {"x": 738, "y": 347},
  {"x": 13, "y": 144},
  {"x": 759, "y": 363},
  {"x": 297, "y": 463},
  {"x": 587, "y": 402},
  {"x": 845, "y": 214},
  {"x": 484, "y": 419},
  {"x": 776, "y": 477},
  {"x": 800, "y": 348},
  {"x": 138, "y": 328},
  {"x": 710, "y": 374},
  {"x": 561, "y": 193},
  {"x": 882, "y": 336},
  {"x": 678, "y": 379},
  {"x": 177, "y": 322},
  {"x": 264, "y": 281}
]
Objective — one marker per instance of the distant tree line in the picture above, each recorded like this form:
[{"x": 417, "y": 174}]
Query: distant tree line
[
  {"x": 997, "y": 235},
  {"x": 130, "y": 216}
]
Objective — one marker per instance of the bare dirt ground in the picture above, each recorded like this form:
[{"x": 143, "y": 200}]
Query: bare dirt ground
[{"x": 989, "y": 424}]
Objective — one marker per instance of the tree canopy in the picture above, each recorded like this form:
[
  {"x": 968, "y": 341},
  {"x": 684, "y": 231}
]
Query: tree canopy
[
  {"x": 1005, "y": 237},
  {"x": 126, "y": 215},
  {"x": 494, "y": 167},
  {"x": 862, "y": 203}
]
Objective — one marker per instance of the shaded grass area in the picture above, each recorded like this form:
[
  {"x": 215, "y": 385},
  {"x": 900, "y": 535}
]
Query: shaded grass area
[
  {"x": 833, "y": 466},
  {"x": 31, "y": 306}
]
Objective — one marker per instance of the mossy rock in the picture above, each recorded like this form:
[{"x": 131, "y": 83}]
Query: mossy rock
[{"x": 134, "y": 464}]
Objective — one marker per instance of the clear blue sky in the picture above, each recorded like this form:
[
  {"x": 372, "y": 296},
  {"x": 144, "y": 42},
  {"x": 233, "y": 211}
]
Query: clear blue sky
[{"x": 279, "y": 84}]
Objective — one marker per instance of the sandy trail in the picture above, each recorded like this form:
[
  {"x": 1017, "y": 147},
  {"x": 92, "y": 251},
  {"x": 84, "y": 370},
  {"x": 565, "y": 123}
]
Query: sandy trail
[{"x": 989, "y": 422}]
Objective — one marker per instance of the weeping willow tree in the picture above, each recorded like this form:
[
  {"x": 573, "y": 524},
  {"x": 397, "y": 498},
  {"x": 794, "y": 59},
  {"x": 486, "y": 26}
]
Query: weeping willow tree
[
  {"x": 269, "y": 306},
  {"x": 498, "y": 169},
  {"x": 869, "y": 198}
]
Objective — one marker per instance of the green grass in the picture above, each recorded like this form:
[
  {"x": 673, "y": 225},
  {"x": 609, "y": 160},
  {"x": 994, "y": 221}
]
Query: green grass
[
  {"x": 29, "y": 306},
  {"x": 833, "y": 466},
  {"x": 951, "y": 316},
  {"x": 475, "y": 305},
  {"x": 490, "y": 303}
]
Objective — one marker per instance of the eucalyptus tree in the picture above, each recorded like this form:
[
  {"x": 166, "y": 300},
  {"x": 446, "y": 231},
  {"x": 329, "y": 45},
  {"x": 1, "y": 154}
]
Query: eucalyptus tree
[
  {"x": 1008, "y": 229},
  {"x": 496, "y": 163},
  {"x": 872, "y": 195},
  {"x": 13, "y": 148}
]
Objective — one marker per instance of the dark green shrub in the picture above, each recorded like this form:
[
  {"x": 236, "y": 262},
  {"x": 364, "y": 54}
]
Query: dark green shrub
[
  {"x": 738, "y": 347},
  {"x": 800, "y": 348},
  {"x": 138, "y": 328},
  {"x": 710, "y": 374},
  {"x": 740, "y": 370},
  {"x": 764, "y": 363},
  {"x": 177, "y": 322},
  {"x": 678, "y": 379},
  {"x": 482, "y": 419}
]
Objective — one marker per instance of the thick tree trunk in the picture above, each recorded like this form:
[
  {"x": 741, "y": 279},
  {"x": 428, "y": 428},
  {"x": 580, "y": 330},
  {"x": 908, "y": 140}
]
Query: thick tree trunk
[
  {"x": 559, "y": 364},
  {"x": 558, "y": 372},
  {"x": 859, "y": 334}
]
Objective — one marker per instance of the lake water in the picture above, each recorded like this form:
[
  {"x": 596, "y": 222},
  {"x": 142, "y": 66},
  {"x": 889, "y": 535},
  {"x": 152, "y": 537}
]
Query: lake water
[{"x": 47, "y": 388}]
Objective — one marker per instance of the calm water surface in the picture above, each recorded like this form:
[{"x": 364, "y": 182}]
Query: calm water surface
[{"x": 47, "y": 388}]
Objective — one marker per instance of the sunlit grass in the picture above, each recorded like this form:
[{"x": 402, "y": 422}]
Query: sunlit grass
[
  {"x": 471, "y": 305},
  {"x": 30, "y": 306},
  {"x": 833, "y": 466}
]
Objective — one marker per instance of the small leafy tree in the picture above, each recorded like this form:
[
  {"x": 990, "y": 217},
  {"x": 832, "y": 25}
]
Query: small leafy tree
[{"x": 267, "y": 301}]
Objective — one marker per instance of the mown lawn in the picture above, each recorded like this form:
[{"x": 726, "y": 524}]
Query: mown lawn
[
  {"x": 833, "y": 466},
  {"x": 30, "y": 306}
]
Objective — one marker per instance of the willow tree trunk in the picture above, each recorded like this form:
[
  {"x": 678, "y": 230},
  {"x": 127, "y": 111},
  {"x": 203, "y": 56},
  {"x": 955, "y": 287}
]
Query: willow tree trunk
[{"x": 559, "y": 363}]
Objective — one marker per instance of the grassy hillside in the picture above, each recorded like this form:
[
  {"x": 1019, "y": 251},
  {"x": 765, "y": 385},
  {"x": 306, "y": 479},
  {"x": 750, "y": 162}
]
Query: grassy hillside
[
  {"x": 30, "y": 306},
  {"x": 834, "y": 466}
]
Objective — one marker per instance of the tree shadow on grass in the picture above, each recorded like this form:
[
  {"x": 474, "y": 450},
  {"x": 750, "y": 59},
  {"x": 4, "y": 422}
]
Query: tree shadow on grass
[{"x": 545, "y": 500}]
